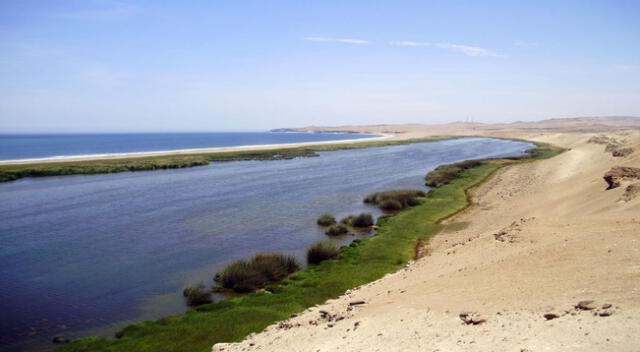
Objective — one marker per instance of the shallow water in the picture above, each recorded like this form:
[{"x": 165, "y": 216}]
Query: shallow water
[{"x": 85, "y": 255}]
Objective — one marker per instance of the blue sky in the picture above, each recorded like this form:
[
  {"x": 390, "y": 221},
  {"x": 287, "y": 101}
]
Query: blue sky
[{"x": 117, "y": 66}]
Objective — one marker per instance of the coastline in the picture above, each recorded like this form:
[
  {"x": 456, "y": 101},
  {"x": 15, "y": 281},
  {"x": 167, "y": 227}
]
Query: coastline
[{"x": 186, "y": 152}]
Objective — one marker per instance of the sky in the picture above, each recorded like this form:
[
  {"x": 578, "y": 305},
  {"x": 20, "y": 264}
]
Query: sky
[{"x": 72, "y": 66}]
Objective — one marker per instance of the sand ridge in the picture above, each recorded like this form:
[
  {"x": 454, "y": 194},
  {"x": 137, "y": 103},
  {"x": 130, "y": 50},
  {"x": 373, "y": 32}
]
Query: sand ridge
[{"x": 542, "y": 237}]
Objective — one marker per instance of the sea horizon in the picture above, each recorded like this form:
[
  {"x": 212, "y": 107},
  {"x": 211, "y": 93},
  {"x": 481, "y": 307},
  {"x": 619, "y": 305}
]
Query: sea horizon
[{"x": 21, "y": 148}]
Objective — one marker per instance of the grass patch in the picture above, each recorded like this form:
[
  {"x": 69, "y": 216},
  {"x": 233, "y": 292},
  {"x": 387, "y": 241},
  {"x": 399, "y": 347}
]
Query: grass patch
[
  {"x": 322, "y": 251},
  {"x": 447, "y": 173},
  {"x": 367, "y": 260},
  {"x": 106, "y": 166},
  {"x": 257, "y": 272},
  {"x": 326, "y": 220}
]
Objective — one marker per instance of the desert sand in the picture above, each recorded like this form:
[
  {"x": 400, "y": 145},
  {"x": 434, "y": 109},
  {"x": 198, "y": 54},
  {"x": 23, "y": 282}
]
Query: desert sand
[{"x": 546, "y": 259}]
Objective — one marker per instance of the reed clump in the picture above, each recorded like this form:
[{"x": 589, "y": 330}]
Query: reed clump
[
  {"x": 391, "y": 201},
  {"x": 326, "y": 220},
  {"x": 337, "y": 230},
  {"x": 197, "y": 295},
  {"x": 360, "y": 221},
  {"x": 321, "y": 251},
  {"x": 248, "y": 275}
]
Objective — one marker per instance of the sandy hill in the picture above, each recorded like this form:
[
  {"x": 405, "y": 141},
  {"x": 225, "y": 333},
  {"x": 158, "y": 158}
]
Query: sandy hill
[{"x": 547, "y": 259}]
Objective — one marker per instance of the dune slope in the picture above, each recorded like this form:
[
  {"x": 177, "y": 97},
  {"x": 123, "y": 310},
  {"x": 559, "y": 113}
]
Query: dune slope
[{"x": 546, "y": 259}]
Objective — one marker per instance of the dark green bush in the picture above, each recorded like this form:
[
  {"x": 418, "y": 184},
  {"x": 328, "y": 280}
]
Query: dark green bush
[
  {"x": 395, "y": 200},
  {"x": 197, "y": 295},
  {"x": 252, "y": 274},
  {"x": 391, "y": 205},
  {"x": 362, "y": 220},
  {"x": 444, "y": 174},
  {"x": 321, "y": 251},
  {"x": 336, "y": 230},
  {"x": 326, "y": 220}
]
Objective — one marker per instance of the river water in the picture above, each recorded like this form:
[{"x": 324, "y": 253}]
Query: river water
[{"x": 82, "y": 255}]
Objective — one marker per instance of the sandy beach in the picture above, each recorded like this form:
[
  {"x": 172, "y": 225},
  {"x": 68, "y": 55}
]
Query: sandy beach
[
  {"x": 114, "y": 156},
  {"x": 547, "y": 258}
]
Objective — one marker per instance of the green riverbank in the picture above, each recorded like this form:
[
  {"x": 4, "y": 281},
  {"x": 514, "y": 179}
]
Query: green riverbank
[
  {"x": 12, "y": 172},
  {"x": 365, "y": 261}
]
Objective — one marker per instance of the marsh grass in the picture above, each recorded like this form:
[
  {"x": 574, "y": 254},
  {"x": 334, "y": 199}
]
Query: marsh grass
[
  {"x": 392, "y": 201},
  {"x": 247, "y": 275},
  {"x": 197, "y": 295},
  {"x": 447, "y": 173},
  {"x": 322, "y": 251},
  {"x": 326, "y": 220},
  {"x": 362, "y": 220},
  {"x": 337, "y": 230}
]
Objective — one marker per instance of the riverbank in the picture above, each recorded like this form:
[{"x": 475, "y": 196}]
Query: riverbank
[
  {"x": 369, "y": 260},
  {"x": 516, "y": 271},
  {"x": 178, "y": 160}
]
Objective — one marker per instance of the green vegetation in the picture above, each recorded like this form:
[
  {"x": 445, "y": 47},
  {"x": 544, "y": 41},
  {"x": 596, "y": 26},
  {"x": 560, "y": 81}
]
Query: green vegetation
[
  {"x": 447, "y": 173},
  {"x": 362, "y": 262},
  {"x": 391, "y": 201},
  {"x": 197, "y": 295},
  {"x": 255, "y": 273},
  {"x": 337, "y": 230},
  {"x": 361, "y": 221},
  {"x": 321, "y": 251},
  {"x": 105, "y": 166},
  {"x": 326, "y": 220}
]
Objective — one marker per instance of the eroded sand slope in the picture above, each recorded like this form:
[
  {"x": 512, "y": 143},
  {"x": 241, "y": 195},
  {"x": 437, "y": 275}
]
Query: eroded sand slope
[{"x": 541, "y": 237}]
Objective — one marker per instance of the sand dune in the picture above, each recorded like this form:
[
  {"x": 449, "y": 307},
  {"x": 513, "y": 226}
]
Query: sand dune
[{"x": 541, "y": 237}]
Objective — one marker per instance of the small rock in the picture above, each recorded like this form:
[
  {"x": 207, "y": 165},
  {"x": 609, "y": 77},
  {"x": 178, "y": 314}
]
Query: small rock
[
  {"x": 606, "y": 306},
  {"x": 605, "y": 313},
  {"x": 551, "y": 316},
  {"x": 356, "y": 303},
  {"x": 585, "y": 305}
]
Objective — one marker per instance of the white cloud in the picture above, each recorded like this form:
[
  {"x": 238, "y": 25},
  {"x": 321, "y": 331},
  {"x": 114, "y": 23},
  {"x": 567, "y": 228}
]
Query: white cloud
[
  {"x": 525, "y": 44},
  {"x": 468, "y": 50},
  {"x": 337, "y": 40},
  {"x": 625, "y": 67},
  {"x": 106, "y": 10},
  {"x": 464, "y": 49},
  {"x": 409, "y": 43}
]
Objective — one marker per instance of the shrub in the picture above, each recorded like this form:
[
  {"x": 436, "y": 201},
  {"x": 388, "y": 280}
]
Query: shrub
[
  {"x": 321, "y": 251},
  {"x": 444, "y": 174},
  {"x": 336, "y": 230},
  {"x": 197, "y": 295},
  {"x": 326, "y": 220},
  {"x": 362, "y": 220},
  {"x": 395, "y": 200},
  {"x": 391, "y": 205},
  {"x": 252, "y": 274}
]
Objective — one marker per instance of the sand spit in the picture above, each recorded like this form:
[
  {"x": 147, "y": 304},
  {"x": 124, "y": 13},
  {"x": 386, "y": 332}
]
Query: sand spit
[{"x": 550, "y": 261}]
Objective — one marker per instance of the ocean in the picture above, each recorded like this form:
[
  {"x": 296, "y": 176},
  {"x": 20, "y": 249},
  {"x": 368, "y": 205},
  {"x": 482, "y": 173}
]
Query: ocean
[{"x": 45, "y": 146}]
